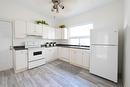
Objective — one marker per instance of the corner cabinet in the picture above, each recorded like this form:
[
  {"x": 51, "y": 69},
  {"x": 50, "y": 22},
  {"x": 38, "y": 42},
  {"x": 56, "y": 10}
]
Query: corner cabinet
[
  {"x": 19, "y": 29},
  {"x": 34, "y": 29},
  {"x": 61, "y": 33},
  {"x": 20, "y": 60}
]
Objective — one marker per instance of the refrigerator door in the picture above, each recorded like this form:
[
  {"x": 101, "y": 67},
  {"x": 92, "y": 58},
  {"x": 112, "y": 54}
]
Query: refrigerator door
[
  {"x": 105, "y": 37},
  {"x": 104, "y": 61}
]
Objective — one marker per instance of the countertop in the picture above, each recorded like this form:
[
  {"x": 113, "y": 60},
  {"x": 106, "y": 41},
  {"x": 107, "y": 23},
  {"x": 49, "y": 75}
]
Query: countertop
[
  {"x": 58, "y": 45},
  {"x": 19, "y": 48},
  {"x": 74, "y": 46}
]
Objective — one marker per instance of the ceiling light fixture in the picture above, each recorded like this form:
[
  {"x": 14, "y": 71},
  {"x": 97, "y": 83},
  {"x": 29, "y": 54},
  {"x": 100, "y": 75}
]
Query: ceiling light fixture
[{"x": 56, "y": 5}]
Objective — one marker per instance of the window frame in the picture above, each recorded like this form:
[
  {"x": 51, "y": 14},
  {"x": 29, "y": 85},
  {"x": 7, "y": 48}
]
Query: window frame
[{"x": 79, "y": 37}]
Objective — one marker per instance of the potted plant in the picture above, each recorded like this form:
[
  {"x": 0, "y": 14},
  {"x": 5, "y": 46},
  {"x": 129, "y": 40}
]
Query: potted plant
[
  {"x": 41, "y": 22},
  {"x": 62, "y": 26}
]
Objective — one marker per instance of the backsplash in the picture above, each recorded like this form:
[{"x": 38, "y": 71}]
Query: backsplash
[{"x": 21, "y": 42}]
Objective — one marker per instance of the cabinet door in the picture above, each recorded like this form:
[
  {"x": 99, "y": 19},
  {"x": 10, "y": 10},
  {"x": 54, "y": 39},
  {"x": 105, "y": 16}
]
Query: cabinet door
[
  {"x": 20, "y": 60},
  {"x": 31, "y": 28},
  {"x": 51, "y": 33},
  {"x": 47, "y": 54},
  {"x": 38, "y": 29},
  {"x": 76, "y": 56},
  {"x": 86, "y": 58},
  {"x": 65, "y": 54},
  {"x": 45, "y": 32},
  {"x": 20, "y": 29},
  {"x": 58, "y": 33},
  {"x": 50, "y": 54},
  {"x": 64, "y": 32}
]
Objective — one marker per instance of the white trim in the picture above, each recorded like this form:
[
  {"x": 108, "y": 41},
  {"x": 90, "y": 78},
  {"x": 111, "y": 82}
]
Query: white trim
[{"x": 5, "y": 20}]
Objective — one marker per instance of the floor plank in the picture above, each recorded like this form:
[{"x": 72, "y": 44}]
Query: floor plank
[{"x": 54, "y": 74}]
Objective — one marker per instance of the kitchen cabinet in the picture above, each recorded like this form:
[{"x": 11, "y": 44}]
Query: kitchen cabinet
[
  {"x": 51, "y": 33},
  {"x": 45, "y": 32},
  {"x": 86, "y": 58},
  {"x": 20, "y": 60},
  {"x": 19, "y": 29},
  {"x": 76, "y": 57},
  {"x": 50, "y": 53},
  {"x": 48, "y": 32},
  {"x": 80, "y": 57},
  {"x": 34, "y": 29},
  {"x": 64, "y": 54},
  {"x": 61, "y": 33},
  {"x": 38, "y": 30}
]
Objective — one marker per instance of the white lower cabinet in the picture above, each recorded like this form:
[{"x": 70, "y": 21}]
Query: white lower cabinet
[
  {"x": 86, "y": 58},
  {"x": 64, "y": 54},
  {"x": 20, "y": 60},
  {"x": 50, "y": 54},
  {"x": 80, "y": 57},
  {"x": 76, "y": 57}
]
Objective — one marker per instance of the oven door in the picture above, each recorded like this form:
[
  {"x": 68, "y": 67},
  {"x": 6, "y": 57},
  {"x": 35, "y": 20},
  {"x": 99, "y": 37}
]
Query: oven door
[{"x": 35, "y": 54}]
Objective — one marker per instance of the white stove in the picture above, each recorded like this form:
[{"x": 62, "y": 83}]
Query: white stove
[{"x": 36, "y": 54}]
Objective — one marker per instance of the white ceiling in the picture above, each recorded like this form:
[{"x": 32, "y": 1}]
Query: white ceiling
[{"x": 72, "y": 7}]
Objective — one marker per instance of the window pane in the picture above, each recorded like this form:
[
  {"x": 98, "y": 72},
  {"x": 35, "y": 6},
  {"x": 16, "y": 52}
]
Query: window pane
[
  {"x": 85, "y": 41},
  {"x": 80, "y": 34},
  {"x": 74, "y": 41},
  {"x": 81, "y": 30}
]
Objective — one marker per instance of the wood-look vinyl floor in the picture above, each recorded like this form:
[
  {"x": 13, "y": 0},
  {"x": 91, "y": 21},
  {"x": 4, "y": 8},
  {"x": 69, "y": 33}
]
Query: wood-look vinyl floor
[{"x": 54, "y": 74}]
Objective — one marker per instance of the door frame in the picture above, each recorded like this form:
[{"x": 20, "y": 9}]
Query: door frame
[{"x": 11, "y": 44}]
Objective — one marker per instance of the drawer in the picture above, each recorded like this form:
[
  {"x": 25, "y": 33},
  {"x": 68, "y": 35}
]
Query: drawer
[{"x": 36, "y": 63}]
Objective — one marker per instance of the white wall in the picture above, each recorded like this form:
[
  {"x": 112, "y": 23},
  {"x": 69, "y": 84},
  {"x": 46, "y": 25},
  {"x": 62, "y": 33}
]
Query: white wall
[
  {"x": 10, "y": 9},
  {"x": 109, "y": 16},
  {"x": 127, "y": 45}
]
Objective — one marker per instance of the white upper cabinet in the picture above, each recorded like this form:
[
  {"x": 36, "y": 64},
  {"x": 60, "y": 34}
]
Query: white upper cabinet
[
  {"x": 51, "y": 33},
  {"x": 48, "y": 32},
  {"x": 58, "y": 33},
  {"x": 45, "y": 32},
  {"x": 39, "y": 29},
  {"x": 61, "y": 33},
  {"x": 19, "y": 29},
  {"x": 30, "y": 28},
  {"x": 34, "y": 29}
]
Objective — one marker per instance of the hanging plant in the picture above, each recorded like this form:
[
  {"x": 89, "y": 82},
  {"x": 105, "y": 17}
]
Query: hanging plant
[{"x": 62, "y": 26}]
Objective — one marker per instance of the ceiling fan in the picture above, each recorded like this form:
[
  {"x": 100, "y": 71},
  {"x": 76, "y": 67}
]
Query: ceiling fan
[{"x": 56, "y": 5}]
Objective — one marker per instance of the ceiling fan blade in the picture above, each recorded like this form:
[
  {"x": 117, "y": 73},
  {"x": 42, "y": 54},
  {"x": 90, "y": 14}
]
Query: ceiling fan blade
[{"x": 61, "y": 6}]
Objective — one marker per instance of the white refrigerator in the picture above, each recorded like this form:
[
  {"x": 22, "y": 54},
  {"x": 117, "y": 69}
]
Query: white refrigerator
[{"x": 104, "y": 54}]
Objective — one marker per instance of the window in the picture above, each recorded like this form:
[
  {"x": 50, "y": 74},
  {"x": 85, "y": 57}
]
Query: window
[{"x": 80, "y": 35}]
